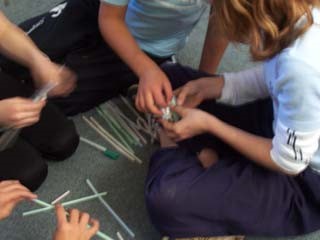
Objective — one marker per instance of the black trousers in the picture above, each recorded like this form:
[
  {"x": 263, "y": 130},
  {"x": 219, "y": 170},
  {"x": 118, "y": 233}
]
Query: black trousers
[
  {"x": 54, "y": 137},
  {"x": 69, "y": 34}
]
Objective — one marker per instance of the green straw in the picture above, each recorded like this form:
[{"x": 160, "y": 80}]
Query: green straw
[
  {"x": 99, "y": 233},
  {"x": 117, "y": 124},
  {"x": 48, "y": 207},
  {"x": 113, "y": 108},
  {"x": 113, "y": 127}
]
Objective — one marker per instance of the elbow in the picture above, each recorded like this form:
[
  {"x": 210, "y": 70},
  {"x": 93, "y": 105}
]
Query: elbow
[{"x": 286, "y": 167}]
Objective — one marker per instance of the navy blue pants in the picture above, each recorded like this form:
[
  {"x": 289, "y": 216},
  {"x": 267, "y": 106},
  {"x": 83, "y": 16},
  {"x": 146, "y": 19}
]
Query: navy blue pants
[{"x": 234, "y": 196}]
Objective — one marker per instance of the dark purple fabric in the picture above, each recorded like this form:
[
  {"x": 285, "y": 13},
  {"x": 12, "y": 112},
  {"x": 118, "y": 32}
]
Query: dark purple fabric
[{"x": 234, "y": 196}]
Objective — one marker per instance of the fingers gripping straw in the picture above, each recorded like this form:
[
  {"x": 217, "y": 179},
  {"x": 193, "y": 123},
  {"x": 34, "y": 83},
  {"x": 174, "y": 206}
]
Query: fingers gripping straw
[
  {"x": 9, "y": 136},
  {"x": 168, "y": 114}
]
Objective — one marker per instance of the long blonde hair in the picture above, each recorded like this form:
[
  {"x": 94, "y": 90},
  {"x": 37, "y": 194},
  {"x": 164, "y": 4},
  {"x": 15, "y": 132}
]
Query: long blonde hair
[{"x": 268, "y": 26}]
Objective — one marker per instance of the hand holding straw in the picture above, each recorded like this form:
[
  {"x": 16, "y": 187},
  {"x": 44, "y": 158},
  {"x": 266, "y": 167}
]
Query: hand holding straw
[
  {"x": 99, "y": 233},
  {"x": 50, "y": 207}
]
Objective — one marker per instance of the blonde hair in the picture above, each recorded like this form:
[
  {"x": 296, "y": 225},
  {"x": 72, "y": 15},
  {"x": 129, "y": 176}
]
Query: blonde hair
[{"x": 268, "y": 26}]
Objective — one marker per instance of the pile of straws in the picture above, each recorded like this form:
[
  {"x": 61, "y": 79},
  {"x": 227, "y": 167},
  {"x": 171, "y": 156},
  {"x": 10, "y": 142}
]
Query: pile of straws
[
  {"x": 47, "y": 207},
  {"x": 126, "y": 132}
]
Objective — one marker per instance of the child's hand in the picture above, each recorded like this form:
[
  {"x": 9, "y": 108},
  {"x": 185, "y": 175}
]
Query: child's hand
[
  {"x": 19, "y": 112},
  {"x": 193, "y": 122},
  {"x": 154, "y": 92},
  {"x": 11, "y": 193},
  {"x": 194, "y": 92},
  {"x": 76, "y": 227},
  {"x": 45, "y": 71}
]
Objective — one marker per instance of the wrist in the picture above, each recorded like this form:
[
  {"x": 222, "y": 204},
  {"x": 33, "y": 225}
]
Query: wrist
[
  {"x": 212, "y": 124},
  {"x": 218, "y": 87},
  {"x": 212, "y": 87},
  {"x": 38, "y": 59},
  {"x": 143, "y": 64}
]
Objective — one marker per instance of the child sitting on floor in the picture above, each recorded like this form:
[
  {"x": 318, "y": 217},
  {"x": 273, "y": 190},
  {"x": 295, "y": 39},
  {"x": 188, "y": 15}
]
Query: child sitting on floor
[{"x": 256, "y": 171}]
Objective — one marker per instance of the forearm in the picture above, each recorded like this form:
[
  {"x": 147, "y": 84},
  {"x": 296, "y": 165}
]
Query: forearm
[
  {"x": 117, "y": 35},
  {"x": 244, "y": 86},
  {"x": 214, "y": 47},
  {"x": 16, "y": 45},
  {"x": 253, "y": 147}
]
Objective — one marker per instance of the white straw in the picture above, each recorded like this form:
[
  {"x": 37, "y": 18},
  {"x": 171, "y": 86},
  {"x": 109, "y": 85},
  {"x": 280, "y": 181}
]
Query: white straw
[
  {"x": 121, "y": 149},
  {"x": 62, "y": 196},
  {"x": 108, "y": 135},
  {"x": 111, "y": 211},
  {"x": 93, "y": 144},
  {"x": 49, "y": 207},
  {"x": 111, "y": 107},
  {"x": 126, "y": 102},
  {"x": 130, "y": 124},
  {"x": 99, "y": 233},
  {"x": 119, "y": 236}
]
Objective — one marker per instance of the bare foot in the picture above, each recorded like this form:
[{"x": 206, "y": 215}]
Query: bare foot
[
  {"x": 208, "y": 157},
  {"x": 165, "y": 141}
]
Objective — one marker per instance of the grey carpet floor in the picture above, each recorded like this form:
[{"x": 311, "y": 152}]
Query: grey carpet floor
[{"x": 123, "y": 180}]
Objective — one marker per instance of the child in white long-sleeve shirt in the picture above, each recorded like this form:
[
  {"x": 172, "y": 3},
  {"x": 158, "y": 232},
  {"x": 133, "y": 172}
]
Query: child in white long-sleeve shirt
[{"x": 257, "y": 171}]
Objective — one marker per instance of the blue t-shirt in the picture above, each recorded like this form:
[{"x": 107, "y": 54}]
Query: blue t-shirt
[{"x": 161, "y": 27}]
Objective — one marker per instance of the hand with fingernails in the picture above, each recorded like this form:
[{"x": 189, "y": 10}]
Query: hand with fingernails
[
  {"x": 195, "y": 92},
  {"x": 20, "y": 112},
  {"x": 74, "y": 226},
  {"x": 193, "y": 122},
  {"x": 12, "y": 192},
  {"x": 154, "y": 91}
]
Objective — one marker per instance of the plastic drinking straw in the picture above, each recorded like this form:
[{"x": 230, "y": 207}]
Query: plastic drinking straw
[
  {"x": 126, "y": 102},
  {"x": 117, "y": 122},
  {"x": 99, "y": 233},
  {"x": 134, "y": 139},
  {"x": 133, "y": 125},
  {"x": 49, "y": 206},
  {"x": 9, "y": 135},
  {"x": 108, "y": 153},
  {"x": 62, "y": 196},
  {"x": 114, "y": 129},
  {"x": 139, "y": 118},
  {"x": 115, "y": 140},
  {"x": 118, "y": 113},
  {"x": 121, "y": 149},
  {"x": 107, "y": 134},
  {"x": 110, "y": 115},
  {"x": 111, "y": 211},
  {"x": 119, "y": 236}
]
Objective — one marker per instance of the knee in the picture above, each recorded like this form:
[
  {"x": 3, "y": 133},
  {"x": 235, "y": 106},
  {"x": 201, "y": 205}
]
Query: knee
[
  {"x": 34, "y": 176},
  {"x": 64, "y": 143},
  {"x": 162, "y": 203}
]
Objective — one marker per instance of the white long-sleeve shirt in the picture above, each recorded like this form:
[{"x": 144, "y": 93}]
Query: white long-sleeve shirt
[{"x": 292, "y": 80}]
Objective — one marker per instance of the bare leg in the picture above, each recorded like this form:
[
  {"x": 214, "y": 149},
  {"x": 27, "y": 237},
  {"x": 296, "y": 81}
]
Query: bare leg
[
  {"x": 208, "y": 157},
  {"x": 165, "y": 141}
]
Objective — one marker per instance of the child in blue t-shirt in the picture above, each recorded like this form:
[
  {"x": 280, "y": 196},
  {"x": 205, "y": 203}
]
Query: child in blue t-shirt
[
  {"x": 140, "y": 30},
  {"x": 256, "y": 171},
  {"x": 114, "y": 44}
]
